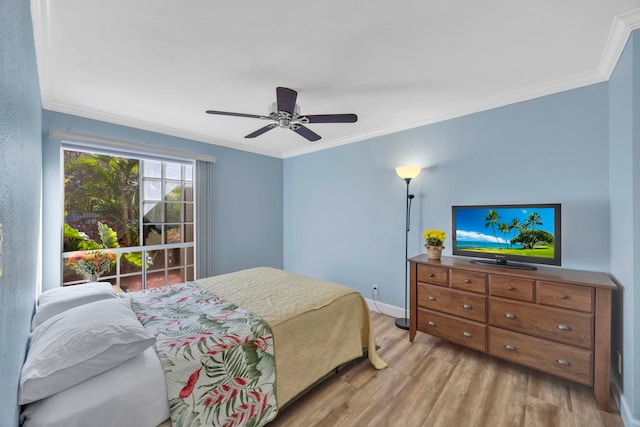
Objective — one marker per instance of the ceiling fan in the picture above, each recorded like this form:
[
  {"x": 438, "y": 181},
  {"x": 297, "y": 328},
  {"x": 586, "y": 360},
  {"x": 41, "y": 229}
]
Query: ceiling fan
[{"x": 285, "y": 113}]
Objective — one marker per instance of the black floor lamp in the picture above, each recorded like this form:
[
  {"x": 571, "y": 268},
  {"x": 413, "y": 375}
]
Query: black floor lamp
[{"x": 407, "y": 173}]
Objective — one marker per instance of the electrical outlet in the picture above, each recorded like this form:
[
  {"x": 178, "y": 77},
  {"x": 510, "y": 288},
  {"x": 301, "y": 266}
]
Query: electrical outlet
[
  {"x": 619, "y": 362},
  {"x": 374, "y": 289}
]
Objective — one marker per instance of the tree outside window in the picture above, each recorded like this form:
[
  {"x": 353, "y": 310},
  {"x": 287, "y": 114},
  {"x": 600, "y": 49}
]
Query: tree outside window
[{"x": 146, "y": 206}]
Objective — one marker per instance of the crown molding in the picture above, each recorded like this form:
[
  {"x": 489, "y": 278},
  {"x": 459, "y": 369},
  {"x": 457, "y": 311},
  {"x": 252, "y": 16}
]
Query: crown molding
[
  {"x": 561, "y": 85},
  {"x": 42, "y": 43},
  {"x": 621, "y": 29},
  {"x": 153, "y": 127}
]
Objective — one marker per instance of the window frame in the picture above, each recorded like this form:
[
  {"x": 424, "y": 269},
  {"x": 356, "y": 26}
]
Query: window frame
[
  {"x": 187, "y": 269},
  {"x": 54, "y": 193}
]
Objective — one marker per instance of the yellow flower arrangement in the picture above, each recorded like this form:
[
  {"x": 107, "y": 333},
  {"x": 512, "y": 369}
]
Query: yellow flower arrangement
[
  {"x": 91, "y": 264},
  {"x": 435, "y": 237}
]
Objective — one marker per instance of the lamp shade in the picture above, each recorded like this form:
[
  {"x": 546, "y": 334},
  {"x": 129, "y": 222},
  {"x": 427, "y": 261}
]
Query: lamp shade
[{"x": 408, "y": 172}]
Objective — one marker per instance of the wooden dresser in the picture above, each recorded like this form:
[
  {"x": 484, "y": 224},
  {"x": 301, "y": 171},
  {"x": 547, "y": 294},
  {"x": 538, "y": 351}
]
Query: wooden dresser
[{"x": 551, "y": 319}]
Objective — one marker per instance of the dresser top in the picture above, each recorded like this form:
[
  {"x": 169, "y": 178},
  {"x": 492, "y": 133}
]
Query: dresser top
[{"x": 555, "y": 274}]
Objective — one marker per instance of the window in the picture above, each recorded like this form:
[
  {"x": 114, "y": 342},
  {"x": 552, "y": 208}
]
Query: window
[{"x": 140, "y": 209}]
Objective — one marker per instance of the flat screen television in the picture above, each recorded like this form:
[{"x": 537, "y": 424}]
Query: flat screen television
[{"x": 515, "y": 236}]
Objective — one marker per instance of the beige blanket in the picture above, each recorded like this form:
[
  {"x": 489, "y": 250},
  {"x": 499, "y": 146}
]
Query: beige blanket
[{"x": 317, "y": 325}]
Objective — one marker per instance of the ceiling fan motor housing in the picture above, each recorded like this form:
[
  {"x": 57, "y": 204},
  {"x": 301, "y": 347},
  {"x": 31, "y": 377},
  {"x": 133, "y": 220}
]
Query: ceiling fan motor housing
[
  {"x": 285, "y": 113},
  {"x": 284, "y": 118}
]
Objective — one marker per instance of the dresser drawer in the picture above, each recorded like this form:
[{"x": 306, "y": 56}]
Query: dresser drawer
[
  {"x": 565, "y": 296},
  {"x": 511, "y": 287},
  {"x": 554, "y": 324},
  {"x": 459, "y": 303},
  {"x": 433, "y": 274},
  {"x": 558, "y": 359},
  {"x": 469, "y": 281},
  {"x": 464, "y": 332}
]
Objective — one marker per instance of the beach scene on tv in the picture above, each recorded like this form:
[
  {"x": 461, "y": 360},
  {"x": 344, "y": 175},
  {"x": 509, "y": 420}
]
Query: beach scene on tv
[{"x": 509, "y": 231}]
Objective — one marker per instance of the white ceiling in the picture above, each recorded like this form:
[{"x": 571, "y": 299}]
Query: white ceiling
[{"x": 159, "y": 64}]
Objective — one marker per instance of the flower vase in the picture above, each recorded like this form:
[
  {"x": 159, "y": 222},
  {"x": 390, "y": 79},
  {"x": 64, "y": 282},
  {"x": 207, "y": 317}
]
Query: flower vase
[
  {"x": 434, "y": 252},
  {"x": 92, "y": 278}
]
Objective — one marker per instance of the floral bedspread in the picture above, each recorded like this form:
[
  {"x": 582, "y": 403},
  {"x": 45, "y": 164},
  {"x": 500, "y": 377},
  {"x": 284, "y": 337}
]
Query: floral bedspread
[{"x": 218, "y": 358}]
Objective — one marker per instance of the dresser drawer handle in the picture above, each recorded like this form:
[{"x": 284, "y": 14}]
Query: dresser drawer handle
[
  {"x": 467, "y": 306},
  {"x": 563, "y": 296},
  {"x": 564, "y": 327},
  {"x": 563, "y": 362},
  {"x": 510, "y": 316},
  {"x": 510, "y": 347},
  {"x": 431, "y": 323},
  {"x": 432, "y": 275},
  {"x": 431, "y": 298},
  {"x": 466, "y": 334},
  {"x": 467, "y": 281},
  {"x": 511, "y": 288}
]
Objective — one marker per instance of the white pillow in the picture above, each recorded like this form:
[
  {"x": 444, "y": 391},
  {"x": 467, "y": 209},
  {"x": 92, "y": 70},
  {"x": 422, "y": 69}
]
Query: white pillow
[
  {"x": 78, "y": 344},
  {"x": 55, "y": 301}
]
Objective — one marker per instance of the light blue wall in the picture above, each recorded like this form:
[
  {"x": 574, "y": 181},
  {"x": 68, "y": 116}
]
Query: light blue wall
[
  {"x": 624, "y": 92},
  {"x": 20, "y": 177},
  {"x": 247, "y": 193},
  {"x": 345, "y": 207}
]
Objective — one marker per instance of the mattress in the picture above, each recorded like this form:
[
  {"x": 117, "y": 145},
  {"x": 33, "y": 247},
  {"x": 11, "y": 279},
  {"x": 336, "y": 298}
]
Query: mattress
[
  {"x": 317, "y": 326},
  {"x": 131, "y": 394}
]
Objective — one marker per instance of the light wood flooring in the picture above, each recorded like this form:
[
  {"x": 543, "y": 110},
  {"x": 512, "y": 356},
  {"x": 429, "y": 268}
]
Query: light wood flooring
[{"x": 437, "y": 384}]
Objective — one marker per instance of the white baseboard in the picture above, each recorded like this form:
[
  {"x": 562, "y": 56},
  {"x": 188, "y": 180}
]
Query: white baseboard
[
  {"x": 625, "y": 411},
  {"x": 389, "y": 310}
]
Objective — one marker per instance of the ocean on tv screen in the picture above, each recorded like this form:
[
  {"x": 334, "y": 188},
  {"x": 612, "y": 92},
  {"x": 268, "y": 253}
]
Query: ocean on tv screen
[{"x": 480, "y": 245}]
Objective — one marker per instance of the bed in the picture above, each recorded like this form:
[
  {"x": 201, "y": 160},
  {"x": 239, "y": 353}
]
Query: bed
[{"x": 316, "y": 326}]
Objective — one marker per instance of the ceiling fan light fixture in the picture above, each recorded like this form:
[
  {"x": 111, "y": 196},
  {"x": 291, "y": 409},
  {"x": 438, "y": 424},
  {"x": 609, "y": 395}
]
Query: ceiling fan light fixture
[{"x": 284, "y": 122}]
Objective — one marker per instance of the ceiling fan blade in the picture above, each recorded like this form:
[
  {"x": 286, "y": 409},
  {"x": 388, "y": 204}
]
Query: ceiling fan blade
[
  {"x": 261, "y": 130},
  {"x": 227, "y": 113},
  {"x": 305, "y": 132},
  {"x": 286, "y": 99},
  {"x": 331, "y": 118}
]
